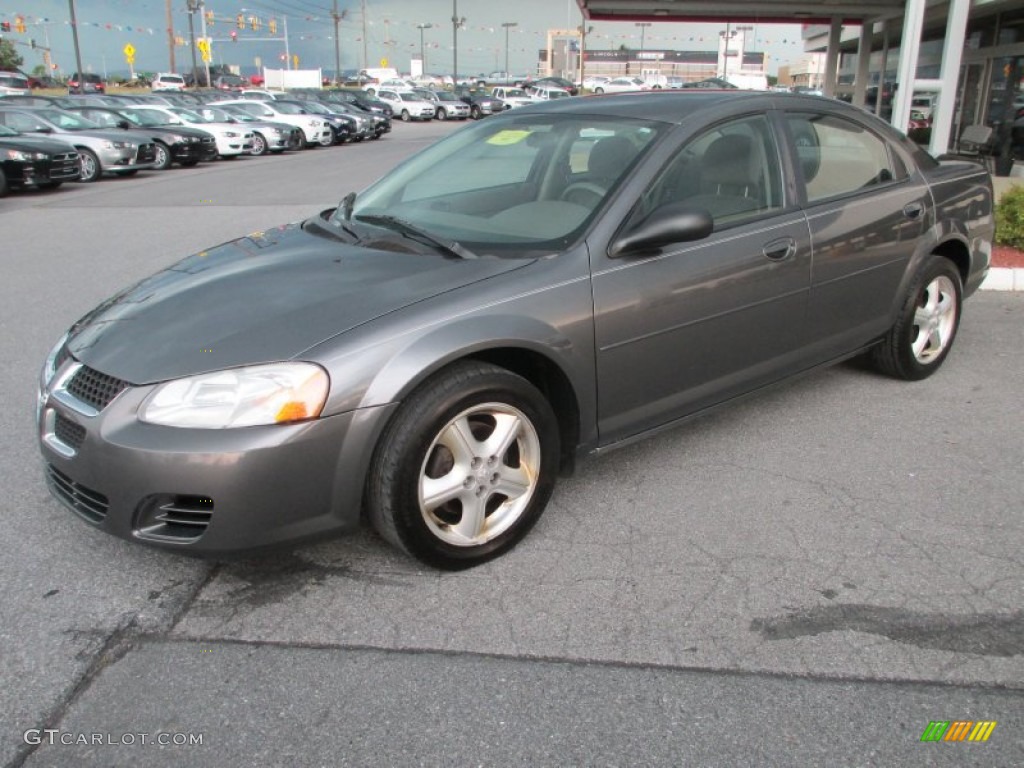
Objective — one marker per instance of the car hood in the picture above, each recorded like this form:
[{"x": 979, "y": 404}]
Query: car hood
[
  {"x": 34, "y": 144},
  {"x": 261, "y": 298}
]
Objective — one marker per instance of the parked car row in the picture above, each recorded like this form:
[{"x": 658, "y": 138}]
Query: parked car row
[{"x": 46, "y": 141}]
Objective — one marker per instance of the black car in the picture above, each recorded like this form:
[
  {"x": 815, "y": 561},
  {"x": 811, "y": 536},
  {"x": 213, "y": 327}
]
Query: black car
[
  {"x": 362, "y": 100},
  {"x": 343, "y": 127},
  {"x": 31, "y": 161},
  {"x": 481, "y": 103},
  {"x": 174, "y": 143},
  {"x": 558, "y": 82}
]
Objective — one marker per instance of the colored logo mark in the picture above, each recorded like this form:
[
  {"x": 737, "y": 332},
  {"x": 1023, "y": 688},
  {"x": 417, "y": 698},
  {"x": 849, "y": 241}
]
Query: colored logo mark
[{"x": 958, "y": 730}]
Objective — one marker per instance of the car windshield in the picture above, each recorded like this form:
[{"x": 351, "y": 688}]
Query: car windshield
[
  {"x": 446, "y": 96},
  {"x": 214, "y": 114},
  {"x": 513, "y": 185},
  {"x": 515, "y": 92},
  {"x": 5, "y": 131},
  {"x": 188, "y": 115},
  {"x": 67, "y": 121},
  {"x": 143, "y": 117},
  {"x": 254, "y": 108},
  {"x": 318, "y": 109},
  {"x": 289, "y": 109},
  {"x": 239, "y": 114},
  {"x": 411, "y": 97}
]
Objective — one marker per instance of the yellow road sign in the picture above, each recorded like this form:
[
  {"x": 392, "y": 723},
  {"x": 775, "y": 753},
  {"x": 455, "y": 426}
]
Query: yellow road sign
[{"x": 129, "y": 50}]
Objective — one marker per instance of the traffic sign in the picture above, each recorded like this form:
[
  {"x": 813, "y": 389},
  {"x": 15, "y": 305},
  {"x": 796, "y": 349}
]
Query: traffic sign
[{"x": 129, "y": 51}]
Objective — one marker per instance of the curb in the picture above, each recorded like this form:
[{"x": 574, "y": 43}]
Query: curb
[{"x": 1004, "y": 279}]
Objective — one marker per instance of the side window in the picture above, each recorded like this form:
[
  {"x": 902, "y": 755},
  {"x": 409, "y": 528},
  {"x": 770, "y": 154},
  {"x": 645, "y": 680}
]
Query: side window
[
  {"x": 732, "y": 171},
  {"x": 20, "y": 122},
  {"x": 838, "y": 156}
]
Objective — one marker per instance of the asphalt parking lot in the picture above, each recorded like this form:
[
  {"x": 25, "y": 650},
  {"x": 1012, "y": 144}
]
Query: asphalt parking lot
[{"x": 807, "y": 578}]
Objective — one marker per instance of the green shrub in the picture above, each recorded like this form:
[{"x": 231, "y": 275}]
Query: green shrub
[{"x": 1010, "y": 218}]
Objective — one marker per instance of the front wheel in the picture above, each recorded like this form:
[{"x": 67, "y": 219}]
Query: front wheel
[
  {"x": 259, "y": 145},
  {"x": 90, "y": 165},
  {"x": 442, "y": 113},
  {"x": 466, "y": 466},
  {"x": 162, "y": 158},
  {"x": 406, "y": 117},
  {"x": 475, "y": 112},
  {"x": 923, "y": 334}
]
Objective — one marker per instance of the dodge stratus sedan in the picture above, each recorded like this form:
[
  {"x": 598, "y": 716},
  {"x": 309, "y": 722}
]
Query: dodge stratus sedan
[{"x": 431, "y": 354}]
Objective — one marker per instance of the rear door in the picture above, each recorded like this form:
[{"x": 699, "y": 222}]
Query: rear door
[{"x": 865, "y": 212}]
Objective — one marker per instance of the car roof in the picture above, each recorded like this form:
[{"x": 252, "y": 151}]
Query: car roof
[{"x": 672, "y": 106}]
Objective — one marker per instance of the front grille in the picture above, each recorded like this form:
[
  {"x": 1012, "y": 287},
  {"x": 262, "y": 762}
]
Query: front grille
[
  {"x": 95, "y": 388},
  {"x": 68, "y": 432},
  {"x": 69, "y": 157},
  {"x": 87, "y": 503},
  {"x": 209, "y": 140},
  {"x": 180, "y": 518}
]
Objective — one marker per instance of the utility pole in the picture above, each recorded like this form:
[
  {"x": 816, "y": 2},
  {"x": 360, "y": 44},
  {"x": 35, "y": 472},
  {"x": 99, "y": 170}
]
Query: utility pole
[
  {"x": 456, "y": 22},
  {"x": 192, "y": 4},
  {"x": 170, "y": 35},
  {"x": 365, "y": 58},
  {"x": 337, "y": 46},
  {"x": 206, "y": 58},
  {"x": 78, "y": 50},
  {"x": 287, "y": 51},
  {"x": 643, "y": 28}
]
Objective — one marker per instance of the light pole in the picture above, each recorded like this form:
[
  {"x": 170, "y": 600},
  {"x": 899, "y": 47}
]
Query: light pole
[
  {"x": 423, "y": 56},
  {"x": 643, "y": 28},
  {"x": 508, "y": 25},
  {"x": 337, "y": 46},
  {"x": 78, "y": 50},
  {"x": 456, "y": 23}
]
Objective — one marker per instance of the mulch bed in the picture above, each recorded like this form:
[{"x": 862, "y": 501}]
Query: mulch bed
[{"x": 1004, "y": 256}]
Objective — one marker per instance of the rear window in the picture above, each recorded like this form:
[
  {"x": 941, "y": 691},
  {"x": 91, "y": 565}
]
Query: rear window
[
  {"x": 13, "y": 80},
  {"x": 171, "y": 79}
]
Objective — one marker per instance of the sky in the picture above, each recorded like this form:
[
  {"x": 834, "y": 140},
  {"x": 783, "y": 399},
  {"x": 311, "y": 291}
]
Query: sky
[{"x": 106, "y": 26}]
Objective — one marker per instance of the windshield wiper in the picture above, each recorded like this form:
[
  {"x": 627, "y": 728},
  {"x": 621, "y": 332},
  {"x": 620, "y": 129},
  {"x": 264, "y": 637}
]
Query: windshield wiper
[{"x": 408, "y": 228}]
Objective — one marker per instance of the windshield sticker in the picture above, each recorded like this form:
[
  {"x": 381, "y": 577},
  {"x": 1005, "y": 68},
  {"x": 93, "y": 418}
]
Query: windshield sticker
[{"x": 504, "y": 138}]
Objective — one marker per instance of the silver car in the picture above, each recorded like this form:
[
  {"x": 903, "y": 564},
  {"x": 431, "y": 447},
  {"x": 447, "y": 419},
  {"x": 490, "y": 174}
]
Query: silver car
[
  {"x": 447, "y": 106},
  {"x": 102, "y": 150},
  {"x": 560, "y": 279}
]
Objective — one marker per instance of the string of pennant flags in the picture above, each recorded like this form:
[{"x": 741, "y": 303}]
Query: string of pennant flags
[{"x": 255, "y": 23}]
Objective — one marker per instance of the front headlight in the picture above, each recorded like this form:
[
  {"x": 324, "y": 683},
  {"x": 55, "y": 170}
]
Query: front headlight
[
  {"x": 50, "y": 366},
  {"x": 231, "y": 135},
  {"x": 116, "y": 144},
  {"x": 277, "y": 393},
  {"x": 25, "y": 157}
]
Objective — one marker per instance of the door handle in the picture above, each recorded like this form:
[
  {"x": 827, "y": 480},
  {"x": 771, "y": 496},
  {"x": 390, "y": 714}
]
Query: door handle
[
  {"x": 779, "y": 250},
  {"x": 913, "y": 210}
]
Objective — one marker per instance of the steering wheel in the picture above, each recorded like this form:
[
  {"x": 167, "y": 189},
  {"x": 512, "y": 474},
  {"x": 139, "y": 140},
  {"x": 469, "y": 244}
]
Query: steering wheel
[{"x": 584, "y": 193}]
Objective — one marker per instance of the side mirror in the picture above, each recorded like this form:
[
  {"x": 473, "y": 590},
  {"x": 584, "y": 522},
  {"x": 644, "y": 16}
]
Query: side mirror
[
  {"x": 42, "y": 129},
  {"x": 123, "y": 124},
  {"x": 673, "y": 223}
]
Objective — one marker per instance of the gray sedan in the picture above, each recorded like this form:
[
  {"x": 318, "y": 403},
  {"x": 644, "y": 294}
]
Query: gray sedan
[{"x": 564, "y": 278}]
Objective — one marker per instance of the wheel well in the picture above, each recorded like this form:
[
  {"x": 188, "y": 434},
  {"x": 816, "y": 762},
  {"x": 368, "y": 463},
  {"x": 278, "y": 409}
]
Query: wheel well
[
  {"x": 957, "y": 253},
  {"x": 553, "y": 384}
]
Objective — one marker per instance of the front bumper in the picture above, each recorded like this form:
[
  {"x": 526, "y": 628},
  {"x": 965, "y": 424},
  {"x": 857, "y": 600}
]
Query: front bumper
[
  {"x": 234, "y": 145},
  {"x": 203, "y": 491}
]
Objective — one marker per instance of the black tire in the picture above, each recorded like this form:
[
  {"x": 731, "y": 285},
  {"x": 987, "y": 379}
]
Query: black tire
[
  {"x": 163, "y": 157},
  {"x": 4, "y": 188},
  {"x": 599, "y": 90},
  {"x": 91, "y": 169},
  {"x": 442, "y": 113},
  {"x": 923, "y": 334},
  {"x": 406, "y": 117},
  {"x": 259, "y": 145},
  {"x": 411, "y": 453},
  {"x": 474, "y": 112}
]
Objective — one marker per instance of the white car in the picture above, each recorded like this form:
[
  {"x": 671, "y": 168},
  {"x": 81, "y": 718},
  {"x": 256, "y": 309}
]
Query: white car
[
  {"x": 232, "y": 139},
  {"x": 590, "y": 82},
  {"x": 546, "y": 92},
  {"x": 513, "y": 97},
  {"x": 621, "y": 85},
  {"x": 315, "y": 129},
  {"x": 168, "y": 81},
  {"x": 407, "y": 105},
  {"x": 390, "y": 84}
]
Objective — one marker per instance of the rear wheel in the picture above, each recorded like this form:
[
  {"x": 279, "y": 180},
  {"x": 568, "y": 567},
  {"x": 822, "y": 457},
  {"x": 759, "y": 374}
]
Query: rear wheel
[
  {"x": 90, "y": 165},
  {"x": 923, "y": 334},
  {"x": 466, "y": 466}
]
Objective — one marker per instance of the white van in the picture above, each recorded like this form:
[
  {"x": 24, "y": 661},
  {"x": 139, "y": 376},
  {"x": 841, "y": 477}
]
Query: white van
[{"x": 13, "y": 84}]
